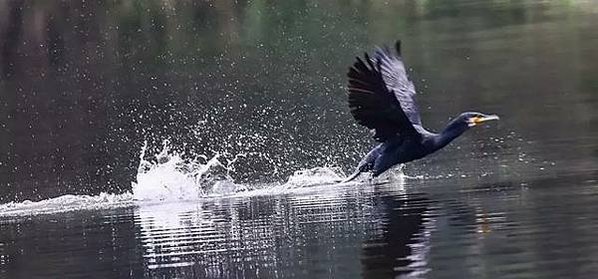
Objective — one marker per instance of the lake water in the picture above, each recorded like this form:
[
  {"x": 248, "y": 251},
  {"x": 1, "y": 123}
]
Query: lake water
[{"x": 193, "y": 139}]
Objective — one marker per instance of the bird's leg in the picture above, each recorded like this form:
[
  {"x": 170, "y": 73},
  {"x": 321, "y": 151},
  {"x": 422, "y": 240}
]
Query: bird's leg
[{"x": 352, "y": 176}]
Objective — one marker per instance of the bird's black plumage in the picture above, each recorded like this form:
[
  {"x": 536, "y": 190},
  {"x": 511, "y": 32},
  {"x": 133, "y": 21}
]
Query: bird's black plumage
[
  {"x": 382, "y": 98},
  {"x": 386, "y": 107}
]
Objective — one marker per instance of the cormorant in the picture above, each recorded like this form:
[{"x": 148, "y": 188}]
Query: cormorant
[{"x": 381, "y": 97}]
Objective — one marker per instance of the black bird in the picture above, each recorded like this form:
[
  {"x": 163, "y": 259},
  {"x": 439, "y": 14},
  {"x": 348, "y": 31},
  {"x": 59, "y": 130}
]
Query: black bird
[{"x": 381, "y": 97}]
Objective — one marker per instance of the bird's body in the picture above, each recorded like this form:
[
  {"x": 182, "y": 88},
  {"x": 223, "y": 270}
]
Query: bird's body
[{"x": 381, "y": 97}]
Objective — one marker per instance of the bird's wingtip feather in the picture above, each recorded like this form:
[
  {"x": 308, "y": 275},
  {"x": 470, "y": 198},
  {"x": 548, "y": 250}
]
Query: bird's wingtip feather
[{"x": 398, "y": 47}]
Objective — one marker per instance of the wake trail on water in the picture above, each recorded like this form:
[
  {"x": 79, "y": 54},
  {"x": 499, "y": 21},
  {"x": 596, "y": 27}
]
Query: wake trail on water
[{"x": 168, "y": 177}]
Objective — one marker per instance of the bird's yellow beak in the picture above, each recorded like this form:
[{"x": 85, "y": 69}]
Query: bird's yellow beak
[{"x": 477, "y": 120}]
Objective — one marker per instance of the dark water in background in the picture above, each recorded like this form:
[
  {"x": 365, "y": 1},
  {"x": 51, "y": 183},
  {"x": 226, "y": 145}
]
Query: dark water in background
[{"x": 83, "y": 85}]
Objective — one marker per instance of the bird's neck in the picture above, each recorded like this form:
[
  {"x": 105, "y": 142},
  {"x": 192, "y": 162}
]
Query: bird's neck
[{"x": 453, "y": 130}]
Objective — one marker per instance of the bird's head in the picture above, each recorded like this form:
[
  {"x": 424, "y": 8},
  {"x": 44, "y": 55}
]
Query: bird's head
[
  {"x": 472, "y": 119},
  {"x": 459, "y": 125}
]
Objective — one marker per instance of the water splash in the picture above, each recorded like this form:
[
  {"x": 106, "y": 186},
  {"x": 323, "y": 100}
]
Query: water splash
[
  {"x": 315, "y": 176},
  {"x": 167, "y": 177},
  {"x": 170, "y": 177}
]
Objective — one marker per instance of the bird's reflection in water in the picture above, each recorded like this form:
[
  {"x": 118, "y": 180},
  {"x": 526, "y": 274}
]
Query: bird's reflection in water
[{"x": 402, "y": 247}]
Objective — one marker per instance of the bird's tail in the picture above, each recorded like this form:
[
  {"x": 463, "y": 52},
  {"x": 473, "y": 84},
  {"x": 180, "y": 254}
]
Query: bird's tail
[{"x": 352, "y": 176}]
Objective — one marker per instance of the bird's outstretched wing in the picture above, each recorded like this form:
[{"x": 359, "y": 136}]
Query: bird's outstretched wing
[
  {"x": 395, "y": 77},
  {"x": 374, "y": 102}
]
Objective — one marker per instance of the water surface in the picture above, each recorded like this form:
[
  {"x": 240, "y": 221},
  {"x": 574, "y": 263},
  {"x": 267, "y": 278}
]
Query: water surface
[{"x": 259, "y": 87}]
